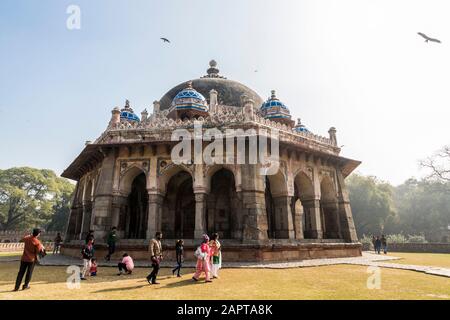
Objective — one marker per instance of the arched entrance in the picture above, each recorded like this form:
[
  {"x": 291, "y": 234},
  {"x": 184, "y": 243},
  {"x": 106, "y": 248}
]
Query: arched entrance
[
  {"x": 178, "y": 219},
  {"x": 279, "y": 222},
  {"x": 137, "y": 209},
  {"x": 222, "y": 204},
  {"x": 303, "y": 206},
  {"x": 329, "y": 209}
]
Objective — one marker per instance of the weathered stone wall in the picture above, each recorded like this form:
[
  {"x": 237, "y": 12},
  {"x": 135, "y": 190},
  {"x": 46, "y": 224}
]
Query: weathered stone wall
[{"x": 16, "y": 236}]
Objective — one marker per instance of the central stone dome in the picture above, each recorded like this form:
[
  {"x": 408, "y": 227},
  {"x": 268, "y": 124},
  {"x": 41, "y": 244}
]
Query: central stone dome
[{"x": 229, "y": 91}]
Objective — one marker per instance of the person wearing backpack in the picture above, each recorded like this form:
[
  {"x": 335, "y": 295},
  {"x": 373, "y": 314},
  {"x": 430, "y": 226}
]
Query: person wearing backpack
[
  {"x": 87, "y": 253},
  {"x": 203, "y": 255}
]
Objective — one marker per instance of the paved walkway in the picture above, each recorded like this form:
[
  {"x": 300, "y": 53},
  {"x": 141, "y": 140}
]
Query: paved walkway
[{"x": 367, "y": 259}]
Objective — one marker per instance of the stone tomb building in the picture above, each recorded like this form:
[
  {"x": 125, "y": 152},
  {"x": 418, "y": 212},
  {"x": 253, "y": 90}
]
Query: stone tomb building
[{"x": 126, "y": 178}]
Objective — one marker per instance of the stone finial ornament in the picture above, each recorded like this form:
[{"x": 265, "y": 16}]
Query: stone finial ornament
[
  {"x": 144, "y": 115},
  {"x": 332, "y": 133},
  {"x": 213, "y": 101},
  {"x": 156, "y": 106}
]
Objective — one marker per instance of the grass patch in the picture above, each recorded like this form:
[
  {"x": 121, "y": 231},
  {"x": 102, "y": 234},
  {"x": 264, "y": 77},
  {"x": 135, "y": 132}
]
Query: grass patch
[
  {"x": 423, "y": 259},
  {"x": 326, "y": 282}
]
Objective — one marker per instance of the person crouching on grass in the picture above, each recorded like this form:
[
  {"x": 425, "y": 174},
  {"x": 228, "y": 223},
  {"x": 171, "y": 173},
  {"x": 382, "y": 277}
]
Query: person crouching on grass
[
  {"x": 127, "y": 264},
  {"x": 203, "y": 254},
  {"x": 87, "y": 253},
  {"x": 32, "y": 247}
]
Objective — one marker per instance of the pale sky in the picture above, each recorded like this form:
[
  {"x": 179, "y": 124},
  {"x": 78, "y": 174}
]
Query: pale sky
[{"x": 354, "y": 64}]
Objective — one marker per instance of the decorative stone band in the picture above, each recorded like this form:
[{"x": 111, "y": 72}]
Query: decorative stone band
[{"x": 226, "y": 116}]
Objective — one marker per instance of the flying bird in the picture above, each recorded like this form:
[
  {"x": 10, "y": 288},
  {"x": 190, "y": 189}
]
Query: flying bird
[
  {"x": 427, "y": 38},
  {"x": 165, "y": 40}
]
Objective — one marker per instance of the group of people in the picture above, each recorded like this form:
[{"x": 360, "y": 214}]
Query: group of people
[
  {"x": 208, "y": 255},
  {"x": 379, "y": 243}
]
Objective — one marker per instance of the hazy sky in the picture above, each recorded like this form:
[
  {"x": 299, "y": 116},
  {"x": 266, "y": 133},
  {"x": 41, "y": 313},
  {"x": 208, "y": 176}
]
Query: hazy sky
[{"x": 357, "y": 65}]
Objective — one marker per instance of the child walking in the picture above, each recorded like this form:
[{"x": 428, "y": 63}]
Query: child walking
[{"x": 179, "y": 256}]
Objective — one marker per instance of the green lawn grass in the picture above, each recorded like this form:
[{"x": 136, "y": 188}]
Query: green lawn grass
[
  {"x": 326, "y": 282},
  {"x": 423, "y": 259}
]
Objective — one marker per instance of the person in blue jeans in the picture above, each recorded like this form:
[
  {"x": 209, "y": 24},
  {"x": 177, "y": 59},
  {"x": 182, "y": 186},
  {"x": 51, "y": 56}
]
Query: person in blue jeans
[
  {"x": 179, "y": 255},
  {"x": 378, "y": 245}
]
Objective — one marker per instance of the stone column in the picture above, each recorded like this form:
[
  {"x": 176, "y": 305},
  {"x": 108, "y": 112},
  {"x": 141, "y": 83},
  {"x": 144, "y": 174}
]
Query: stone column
[
  {"x": 284, "y": 227},
  {"x": 103, "y": 198},
  {"x": 154, "y": 214},
  {"x": 200, "y": 215},
  {"x": 348, "y": 230},
  {"x": 298, "y": 220},
  {"x": 87, "y": 217},
  {"x": 313, "y": 221}
]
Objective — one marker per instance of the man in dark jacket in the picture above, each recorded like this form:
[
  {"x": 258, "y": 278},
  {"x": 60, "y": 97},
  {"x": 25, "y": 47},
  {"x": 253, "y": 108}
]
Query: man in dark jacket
[
  {"x": 32, "y": 247},
  {"x": 378, "y": 245},
  {"x": 111, "y": 242}
]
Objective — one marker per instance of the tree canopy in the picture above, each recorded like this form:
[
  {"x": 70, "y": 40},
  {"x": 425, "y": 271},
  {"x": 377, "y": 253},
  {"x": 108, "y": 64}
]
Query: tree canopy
[
  {"x": 32, "y": 197},
  {"x": 416, "y": 207}
]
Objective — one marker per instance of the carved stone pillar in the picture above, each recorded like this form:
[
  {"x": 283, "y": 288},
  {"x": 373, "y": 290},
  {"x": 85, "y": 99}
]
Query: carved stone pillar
[
  {"x": 117, "y": 207},
  {"x": 200, "y": 215},
  {"x": 103, "y": 198},
  {"x": 284, "y": 227},
  {"x": 313, "y": 228},
  {"x": 298, "y": 219},
  {"x": 332, "y": 220},
  {"x": 347, "y": 225},
  {"x": 154, "y": 214},
  {"x": 87, "y": 218}
]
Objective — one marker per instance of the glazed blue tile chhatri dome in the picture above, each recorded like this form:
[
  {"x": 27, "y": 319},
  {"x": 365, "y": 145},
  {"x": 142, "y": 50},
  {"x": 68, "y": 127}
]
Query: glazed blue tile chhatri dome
[
  {"x": 189, "y": 99},
  {"x": 299, "y": 127},
  {"x": 127, "y": 113},
  {"x": 273, "y": 108}
]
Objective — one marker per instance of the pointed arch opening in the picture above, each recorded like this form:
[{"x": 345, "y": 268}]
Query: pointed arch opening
[
  {"x": 329, "y": 209},
  {"x": 222, "y": 204},
  {"x": 178, "y": 218}
]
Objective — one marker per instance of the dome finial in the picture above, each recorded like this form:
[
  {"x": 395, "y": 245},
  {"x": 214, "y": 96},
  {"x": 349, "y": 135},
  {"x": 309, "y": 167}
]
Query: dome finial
[
  {"x": 189, "y": 84},
  {"x": 127, "y": 103},
  {"x": 299, "y": 121},
  {"x": 213, "y": 63},
  {"x": 273, "y": 95}
]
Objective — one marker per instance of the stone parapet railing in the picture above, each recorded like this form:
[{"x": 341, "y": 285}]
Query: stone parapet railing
[{"x": 157, "y": 123}]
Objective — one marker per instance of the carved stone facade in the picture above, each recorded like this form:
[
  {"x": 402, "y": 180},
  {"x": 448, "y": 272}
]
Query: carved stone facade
[{"x": 127, "y": 179}]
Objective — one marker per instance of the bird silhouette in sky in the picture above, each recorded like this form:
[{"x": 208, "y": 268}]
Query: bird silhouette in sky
[
  {"x": 427, "y": 38},
  {"x": 165, "y": 40}
]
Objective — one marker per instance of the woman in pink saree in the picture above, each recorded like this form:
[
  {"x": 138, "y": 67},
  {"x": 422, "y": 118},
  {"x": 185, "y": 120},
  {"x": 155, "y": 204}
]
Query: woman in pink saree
[{"x": 203, "y": 254}]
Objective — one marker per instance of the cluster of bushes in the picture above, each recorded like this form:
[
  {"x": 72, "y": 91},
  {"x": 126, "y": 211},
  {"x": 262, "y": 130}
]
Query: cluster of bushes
[{"x": 396, "y": 238}]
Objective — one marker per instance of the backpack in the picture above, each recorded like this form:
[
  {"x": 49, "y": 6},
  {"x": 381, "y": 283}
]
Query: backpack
[{"x": 199, "y": 254}]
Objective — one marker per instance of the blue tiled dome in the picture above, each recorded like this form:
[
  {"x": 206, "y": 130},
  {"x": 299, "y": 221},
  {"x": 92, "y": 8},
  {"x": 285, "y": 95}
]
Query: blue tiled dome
[
  {"x": 189, "y": 98},
  {"x": 273, "y": 108},
  {"x": 127, "y": 113},
  {"x": 299, "y": 127}
]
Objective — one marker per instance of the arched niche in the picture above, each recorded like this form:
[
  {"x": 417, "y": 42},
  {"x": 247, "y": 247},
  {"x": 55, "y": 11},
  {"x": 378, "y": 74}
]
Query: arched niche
[
  {"x": 329, "y": 209},
  {"x": 222, "y": 203},
  {"x": 302, "y": 204},
  {"x": 178, "y": 208}
]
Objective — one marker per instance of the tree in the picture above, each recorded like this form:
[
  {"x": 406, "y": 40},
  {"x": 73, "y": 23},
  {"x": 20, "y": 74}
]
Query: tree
[
  {"x": 30, "y": 197},
  {"x": 438, "y": 165},
  {"x": 372, "y": 204}
]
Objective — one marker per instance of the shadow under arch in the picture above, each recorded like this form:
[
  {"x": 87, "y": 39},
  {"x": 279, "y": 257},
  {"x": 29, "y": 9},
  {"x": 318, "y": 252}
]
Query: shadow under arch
[
  {"x": 329, "y": 209},
  {"x": 275, "y": 188},
  {"x": 222, "y": 204},
  {"x": 302, "y": 205},
  {"x": 178, "y": 207}
]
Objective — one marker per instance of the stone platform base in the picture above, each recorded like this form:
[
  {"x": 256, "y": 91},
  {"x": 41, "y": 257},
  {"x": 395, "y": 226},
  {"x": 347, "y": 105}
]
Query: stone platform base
[{"x": 234, "y": 252}]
